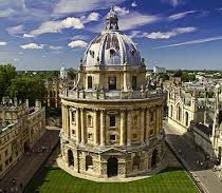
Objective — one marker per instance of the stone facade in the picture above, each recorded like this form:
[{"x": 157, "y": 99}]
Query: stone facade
[
  {"x": 111, "y": 122},
  {"x": 20, "y": 128}
]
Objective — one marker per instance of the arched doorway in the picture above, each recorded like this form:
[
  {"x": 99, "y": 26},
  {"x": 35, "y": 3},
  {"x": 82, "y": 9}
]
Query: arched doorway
[
  {"x": 154, "y": 158},
  {"x": 89, "y": 162},
  {"x": 70, "y": 158},
  {"x": 112, "y": 167}
]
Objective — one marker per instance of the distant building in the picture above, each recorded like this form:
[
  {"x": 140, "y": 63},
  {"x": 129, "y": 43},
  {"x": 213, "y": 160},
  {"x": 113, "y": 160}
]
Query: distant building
[
  {"x": 21, "y": 127},
  {"x": 159, "y": 70},
  {"x": 63, "y": 73}
]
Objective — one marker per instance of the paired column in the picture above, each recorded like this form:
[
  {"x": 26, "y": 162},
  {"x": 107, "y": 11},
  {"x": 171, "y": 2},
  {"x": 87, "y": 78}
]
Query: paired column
[
  {"x": 125, "y": 85},
  {"x": 83, "y": 121},
  {"x": 142, "y": 125},
  {"x": 129, "y": 127},
  {"x": 122, "y": 127},
  {"x": 96, "y": 128},
  {"x": 147, "y": 125},
  {"x": 102, "y": 128},
  {"x": 78, "y": 126}
]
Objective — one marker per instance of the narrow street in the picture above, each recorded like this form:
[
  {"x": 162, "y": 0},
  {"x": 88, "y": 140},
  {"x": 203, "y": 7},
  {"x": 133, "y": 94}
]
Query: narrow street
[
  {"x": 30, "y": 163},
  {"x": 190, "y": 157}
]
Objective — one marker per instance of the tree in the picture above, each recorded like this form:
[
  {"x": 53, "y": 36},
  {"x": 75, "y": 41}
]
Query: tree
[
  {"x": 7, "y": 73},
  {"x": 27, "y": 87}
]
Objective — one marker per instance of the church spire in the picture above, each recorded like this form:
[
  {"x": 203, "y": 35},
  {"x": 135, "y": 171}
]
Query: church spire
[{"x": 112, "y": 20}]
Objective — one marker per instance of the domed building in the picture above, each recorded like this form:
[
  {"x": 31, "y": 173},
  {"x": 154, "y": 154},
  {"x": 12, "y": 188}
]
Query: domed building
[{"x": 111, "y": 121}]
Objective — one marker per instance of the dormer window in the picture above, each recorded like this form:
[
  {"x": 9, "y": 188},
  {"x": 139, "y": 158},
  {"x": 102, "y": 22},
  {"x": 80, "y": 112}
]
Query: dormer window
[
  {"x": 112, "y": 83},
  {"x": 89, "y": 82}
]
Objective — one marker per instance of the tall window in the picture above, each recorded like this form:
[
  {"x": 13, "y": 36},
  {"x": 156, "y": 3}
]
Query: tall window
[
  {"x": 112, "y": 120},
  {"x": 134, "y": 82},
  {"x": 187, "y": 118},
  {"x": 112, "y": 83},
  {"x": 74, "y": 117},
  {"x": 89, "y": 82},
  {"x": 90, "y": 121}
]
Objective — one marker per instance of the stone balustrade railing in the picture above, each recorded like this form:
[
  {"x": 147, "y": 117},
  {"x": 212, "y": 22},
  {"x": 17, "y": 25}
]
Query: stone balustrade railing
[{"x": 96, "y": 94}]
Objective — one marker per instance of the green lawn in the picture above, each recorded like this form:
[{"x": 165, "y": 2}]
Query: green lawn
[{"x": 55, "y": 180}]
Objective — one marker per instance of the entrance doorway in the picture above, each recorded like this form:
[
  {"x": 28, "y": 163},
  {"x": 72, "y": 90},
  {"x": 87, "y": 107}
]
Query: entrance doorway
[{"x": 112, "y": 167}]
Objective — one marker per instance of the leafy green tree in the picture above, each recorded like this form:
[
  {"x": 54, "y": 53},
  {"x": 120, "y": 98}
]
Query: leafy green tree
[
  {"x": 7, "y": 73},
  {"x": 27, "y": 87}
]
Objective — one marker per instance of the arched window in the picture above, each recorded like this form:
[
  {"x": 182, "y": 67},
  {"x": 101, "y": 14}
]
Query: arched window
[
  {"x": 187, "y": 118},
  {"x": 89, "y": 82},
  {"x": 136, "y": 163},
  {"x": 70, "y": 158},
  {"x": 89, "y": 162},
  {"x": 154, "y": 158},
  {"x": 171, "y": 111},
  {"x": 178, "y": 115}
]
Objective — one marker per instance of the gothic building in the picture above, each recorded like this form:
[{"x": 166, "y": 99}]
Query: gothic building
[{"x": 111, "y": 121}]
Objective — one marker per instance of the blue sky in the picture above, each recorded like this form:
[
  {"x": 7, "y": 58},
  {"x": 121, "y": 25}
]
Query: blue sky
[{"x": 48, "y": 34}]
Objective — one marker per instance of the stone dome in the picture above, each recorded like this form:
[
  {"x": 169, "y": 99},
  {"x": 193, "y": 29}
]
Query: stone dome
[{"x": 111, "y": 47}]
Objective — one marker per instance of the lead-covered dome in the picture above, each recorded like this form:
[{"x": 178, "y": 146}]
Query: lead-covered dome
[{"x": 111, "y": 47}]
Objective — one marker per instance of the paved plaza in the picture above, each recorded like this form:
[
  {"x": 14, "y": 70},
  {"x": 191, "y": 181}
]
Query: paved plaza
[
  {"x": 21, "y": 174},
  {"x": 192, "y": 159}
]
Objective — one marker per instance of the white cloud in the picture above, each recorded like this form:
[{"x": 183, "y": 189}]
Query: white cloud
[
  {"x": 121, "y": 10},
  {"x": 169, "y": 34},
  {"x": 32, "y": 46},
  {"x": 77, "y": 44},
  {"x": 55, "y": 47},
  {"x": 199, "y": 41},
  {"x": 28, "y": 36},
  {"x": 57, "y": 26},
  {"x": 174, "y": 3},
  {"x": 180, "y": 15},
  {"x": 78, "y": 6},
  {"x": 135, "y": 20},
  {"x": 94, "y": 16},
  {"x": 15, "y": 30},
  {"x": 134, "y": 34},
  {"x": 134, "y": 4},
  {"x": 3, "y": 43}
]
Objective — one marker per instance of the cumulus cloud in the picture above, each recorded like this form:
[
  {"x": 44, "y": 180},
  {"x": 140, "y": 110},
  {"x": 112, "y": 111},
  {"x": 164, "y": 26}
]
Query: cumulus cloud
[
  {"x": 32, "y": 46},
  {"x": 198, "y": 41},
  {"x": 77, "y": 44},
  {"x": 70, "y": 6},
  {"x": 181, "y": 15},
  {"x": 94, "y": 16},
  {"x": 169, "y": 34},
  {"x": 121, "y": 10},
  {"x": 58, "y": 26},
  {"x": 134, "y": 4},
  {"x": 3, "y": 43}
]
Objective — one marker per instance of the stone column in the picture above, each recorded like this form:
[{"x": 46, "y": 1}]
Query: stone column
[
  {"x": 96, "y": 128},
  {"x": 129, "y": 127},
  {"x": 142, "y": 124},
  {"x": 102, "y": 128},
  {"x": 78, "y": 126},
  {"x": 147, "y": 125},
  {"x": 83, "y": 132},
  {"x": 122, "y": 128}
]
